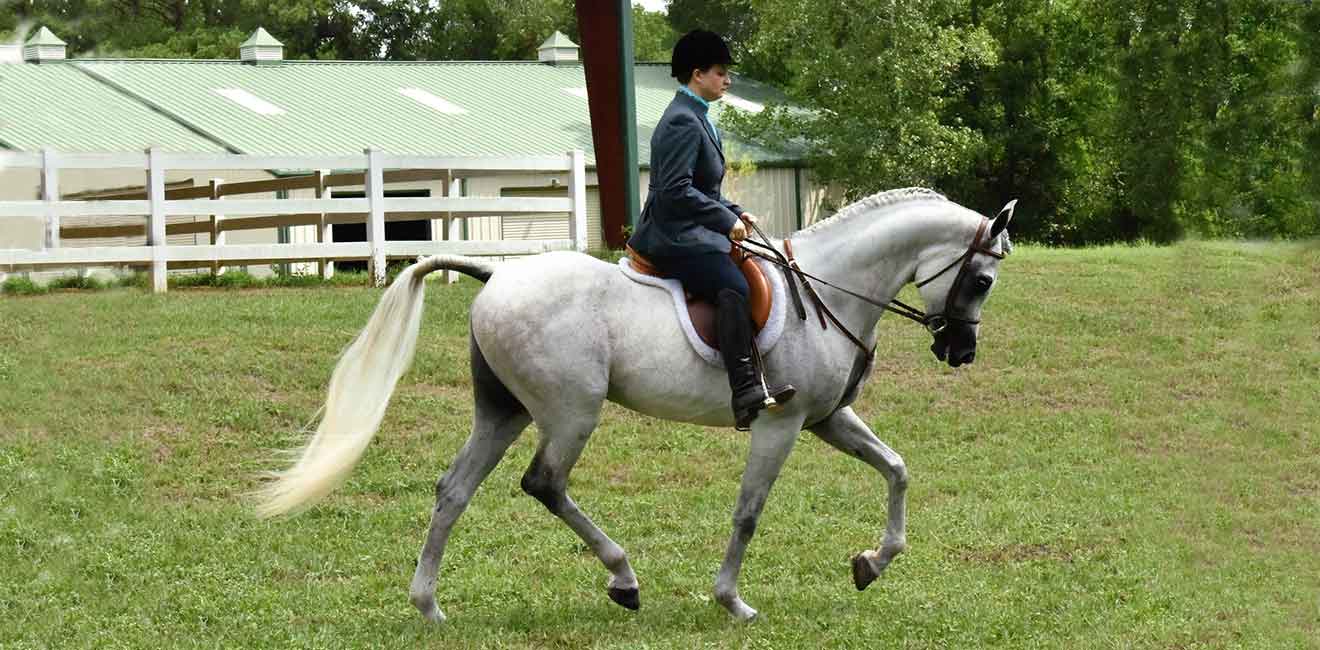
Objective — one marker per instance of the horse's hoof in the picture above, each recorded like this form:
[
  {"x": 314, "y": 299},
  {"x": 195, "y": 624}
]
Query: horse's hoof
[
  {"x": 425, "y": 604},
  {"x": 629, "y": 598},
  {"x": 745, "y": 615},
  {"x": 863, "y": 572},
  {"x": 434, "y": 616}
]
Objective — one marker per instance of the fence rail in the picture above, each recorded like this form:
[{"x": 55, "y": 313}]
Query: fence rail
[{"x": 156, "y": 203}]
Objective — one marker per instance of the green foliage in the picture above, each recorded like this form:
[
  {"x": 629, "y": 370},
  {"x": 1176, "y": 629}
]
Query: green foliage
[
  {"x": 78, "y": 281},
  {"x": 878, "y": 103},
  {"x": 21, "y": 286},
  {"x": 1108, "y": 120},
  {"x": 653, "y": 37}
]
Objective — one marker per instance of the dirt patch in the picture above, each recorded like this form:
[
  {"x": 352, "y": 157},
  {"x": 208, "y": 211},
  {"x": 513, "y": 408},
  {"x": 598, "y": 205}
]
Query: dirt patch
[
  {"x": 159, "y": 437},
  {"x": 1019, "y": 553}
]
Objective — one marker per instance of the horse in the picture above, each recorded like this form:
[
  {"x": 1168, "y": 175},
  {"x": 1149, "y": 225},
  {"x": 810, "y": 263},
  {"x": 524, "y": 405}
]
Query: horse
[{"x": 555, "y": 335}]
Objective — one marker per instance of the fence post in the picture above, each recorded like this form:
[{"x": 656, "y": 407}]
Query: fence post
[
  {"x": 447, "y": 191},
  {"x": 50, "y": 193},
  {"x": 326, "y": 267},
  {"x": 577, "y": 191},
  {"x": 455, "y": 225},
  {"x": 217, "y": 235},
  {"x": 375, "y": 191},
  {"x": 156, "y": 220}
]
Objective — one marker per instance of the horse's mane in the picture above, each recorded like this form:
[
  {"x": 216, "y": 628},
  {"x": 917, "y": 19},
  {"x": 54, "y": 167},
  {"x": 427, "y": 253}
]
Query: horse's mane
[{"x": 881, "y": 199}]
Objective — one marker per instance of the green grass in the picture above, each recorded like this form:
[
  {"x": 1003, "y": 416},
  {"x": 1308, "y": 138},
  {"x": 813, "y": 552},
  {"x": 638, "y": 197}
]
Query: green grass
[{"x": 1132, "y": 462}]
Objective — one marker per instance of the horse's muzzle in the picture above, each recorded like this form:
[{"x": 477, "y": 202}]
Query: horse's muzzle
[{"x": 955, "y": 345}]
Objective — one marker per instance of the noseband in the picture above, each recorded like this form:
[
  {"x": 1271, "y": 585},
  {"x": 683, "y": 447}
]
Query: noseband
[{"x": 934, "y": 323}]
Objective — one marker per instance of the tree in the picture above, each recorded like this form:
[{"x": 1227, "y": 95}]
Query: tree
[
  {"x": 877, "y": 114},
  {"x": 653, "y": 37}
]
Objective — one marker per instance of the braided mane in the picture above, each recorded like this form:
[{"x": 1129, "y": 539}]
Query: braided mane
[{"x": 881, "y": 199}]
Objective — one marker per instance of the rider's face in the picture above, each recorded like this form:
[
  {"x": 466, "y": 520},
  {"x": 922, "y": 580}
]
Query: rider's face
[{"x": 711, "y": 84}]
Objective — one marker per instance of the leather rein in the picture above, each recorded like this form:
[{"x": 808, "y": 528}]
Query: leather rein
[{"x": 934, "y": 323}]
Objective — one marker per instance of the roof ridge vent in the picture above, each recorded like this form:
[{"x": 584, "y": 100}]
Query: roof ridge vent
[
  {"x": 558, "y": 49},
  {"x": 44, "y": 46},
  {"x": 261, "y": 49}
]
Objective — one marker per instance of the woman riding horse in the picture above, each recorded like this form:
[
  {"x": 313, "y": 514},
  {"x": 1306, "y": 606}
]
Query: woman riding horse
[{"x": 686, "y": 226}]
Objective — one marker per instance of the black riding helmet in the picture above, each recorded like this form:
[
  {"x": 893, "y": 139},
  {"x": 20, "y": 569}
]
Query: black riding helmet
[{"x": 698, "y": 50}]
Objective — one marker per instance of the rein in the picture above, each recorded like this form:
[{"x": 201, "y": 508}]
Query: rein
[{"x": 934, "y": 323}]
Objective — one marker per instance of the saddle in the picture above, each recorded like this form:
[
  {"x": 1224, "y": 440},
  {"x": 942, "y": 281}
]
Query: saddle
[{"x": 701, "y": 312}]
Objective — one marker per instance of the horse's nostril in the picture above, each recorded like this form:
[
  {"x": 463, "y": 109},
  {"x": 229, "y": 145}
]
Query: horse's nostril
[{"x": 969, "y": 356}]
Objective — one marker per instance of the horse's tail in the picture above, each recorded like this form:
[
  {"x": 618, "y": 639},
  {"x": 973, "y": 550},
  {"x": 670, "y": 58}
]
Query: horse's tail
[{"x": 360, "y": 389}]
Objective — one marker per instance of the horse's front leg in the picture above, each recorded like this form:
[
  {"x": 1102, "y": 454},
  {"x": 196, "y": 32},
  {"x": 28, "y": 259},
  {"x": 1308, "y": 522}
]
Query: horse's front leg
[
  {"x": 847, "y": 433},
  {"x": 772, "y": 439}
]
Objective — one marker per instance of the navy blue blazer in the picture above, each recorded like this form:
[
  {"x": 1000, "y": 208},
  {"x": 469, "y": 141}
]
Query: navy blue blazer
[{"x": 684, "y": 212}]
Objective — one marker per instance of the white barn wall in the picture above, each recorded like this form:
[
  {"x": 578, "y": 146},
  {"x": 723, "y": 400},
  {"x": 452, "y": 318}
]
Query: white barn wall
[
  {"x": 21, "y": 185},
  {"x": 492, "y": 228},
  {"x": 819, "y": 201}
]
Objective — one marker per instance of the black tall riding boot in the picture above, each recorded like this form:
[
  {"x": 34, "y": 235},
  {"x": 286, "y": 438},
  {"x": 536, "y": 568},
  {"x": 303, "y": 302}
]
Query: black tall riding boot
[{"x": 734, "y": 329}]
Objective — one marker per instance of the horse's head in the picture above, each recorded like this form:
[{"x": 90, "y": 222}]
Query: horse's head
[{"x": 955, "y": 288}]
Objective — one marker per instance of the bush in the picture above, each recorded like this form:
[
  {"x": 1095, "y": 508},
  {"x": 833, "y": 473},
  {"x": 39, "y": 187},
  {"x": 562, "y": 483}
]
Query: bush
[
  {"x": 77, "y": 282},
  {"x": 21, "y": 286}
]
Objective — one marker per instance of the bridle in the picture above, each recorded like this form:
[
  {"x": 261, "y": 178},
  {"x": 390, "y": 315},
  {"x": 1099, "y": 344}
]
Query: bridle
[
  {"x": 937, "y": 322},
  {"x": 934, "y": 323}
]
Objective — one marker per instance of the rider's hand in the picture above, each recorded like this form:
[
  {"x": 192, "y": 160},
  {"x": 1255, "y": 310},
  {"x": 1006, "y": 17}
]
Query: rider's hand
[
  {"x": 739, "y": 231},
  {"x": 749, "y": 218}
]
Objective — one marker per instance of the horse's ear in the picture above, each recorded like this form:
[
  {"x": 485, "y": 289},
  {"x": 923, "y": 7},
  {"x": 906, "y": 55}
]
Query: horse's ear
[{"x": 1001, "y": 220}]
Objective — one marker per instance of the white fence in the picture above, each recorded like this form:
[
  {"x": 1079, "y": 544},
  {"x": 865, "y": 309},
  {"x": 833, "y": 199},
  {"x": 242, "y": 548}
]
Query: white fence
[{"x": 375, "y": 209}]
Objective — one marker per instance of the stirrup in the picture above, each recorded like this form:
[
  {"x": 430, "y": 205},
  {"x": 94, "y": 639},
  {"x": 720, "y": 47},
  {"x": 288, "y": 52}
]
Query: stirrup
[
  {"x": 773, "y": 398},
  {"x": 772, "y": 401},
  {"x": 778, "y": 397}
]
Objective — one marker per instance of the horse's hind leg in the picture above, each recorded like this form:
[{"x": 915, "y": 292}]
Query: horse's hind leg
[
  {"x": 498, "y": 420},
  {"x": 563, "y": 436},
  {"x": 847, "y": 433}
]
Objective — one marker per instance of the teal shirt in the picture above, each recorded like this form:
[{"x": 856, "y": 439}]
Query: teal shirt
[{"x": 704, "y": 104}]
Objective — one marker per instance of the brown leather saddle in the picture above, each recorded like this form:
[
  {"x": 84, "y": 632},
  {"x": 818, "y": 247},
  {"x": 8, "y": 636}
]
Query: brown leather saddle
[{"x": 701, "y": 312}]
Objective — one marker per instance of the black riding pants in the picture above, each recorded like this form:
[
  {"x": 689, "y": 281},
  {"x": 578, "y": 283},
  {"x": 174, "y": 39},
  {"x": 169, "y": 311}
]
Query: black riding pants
[{"x": 704, "y": 275}]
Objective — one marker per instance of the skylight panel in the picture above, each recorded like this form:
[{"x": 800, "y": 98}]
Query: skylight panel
[
  {"x": 744, "y": 104},
  {"x": 249, "y": 101},
  {"x": 431, "y": 101},
  {"x": 576, "y": 92}
]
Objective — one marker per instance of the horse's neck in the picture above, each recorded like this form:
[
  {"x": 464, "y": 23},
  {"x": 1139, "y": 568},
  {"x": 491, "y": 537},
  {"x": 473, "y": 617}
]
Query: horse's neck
[{"x": 876, "y": 254}]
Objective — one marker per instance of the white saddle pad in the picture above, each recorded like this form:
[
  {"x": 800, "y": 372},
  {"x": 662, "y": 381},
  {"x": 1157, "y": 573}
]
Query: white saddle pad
[{"x": 765, "y": 339}]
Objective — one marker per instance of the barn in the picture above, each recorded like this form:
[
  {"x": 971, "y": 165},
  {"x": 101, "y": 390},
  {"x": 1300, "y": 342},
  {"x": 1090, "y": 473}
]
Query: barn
[{"x": 262, "y": 104}]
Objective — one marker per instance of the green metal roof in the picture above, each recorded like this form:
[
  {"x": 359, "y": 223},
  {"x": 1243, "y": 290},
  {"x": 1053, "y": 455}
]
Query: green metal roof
[
  {"x": 56, "y": 105},
  {"x": 343, "y": 107}
]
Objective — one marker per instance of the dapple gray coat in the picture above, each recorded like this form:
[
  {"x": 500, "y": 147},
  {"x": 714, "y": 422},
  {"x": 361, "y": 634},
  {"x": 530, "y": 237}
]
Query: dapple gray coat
[{"x": 554, "y": 336}]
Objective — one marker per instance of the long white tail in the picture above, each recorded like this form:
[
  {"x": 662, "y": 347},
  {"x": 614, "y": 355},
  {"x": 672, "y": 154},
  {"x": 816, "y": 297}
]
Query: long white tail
[{"x": 360, "y": 389}]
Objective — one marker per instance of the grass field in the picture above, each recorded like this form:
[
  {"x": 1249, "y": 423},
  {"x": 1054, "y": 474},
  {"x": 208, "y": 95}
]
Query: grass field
[{"x": 1132, "y": 462}]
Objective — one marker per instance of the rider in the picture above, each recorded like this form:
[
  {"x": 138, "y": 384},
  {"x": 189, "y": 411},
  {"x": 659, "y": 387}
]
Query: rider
[{"x": 686, "y": 226}]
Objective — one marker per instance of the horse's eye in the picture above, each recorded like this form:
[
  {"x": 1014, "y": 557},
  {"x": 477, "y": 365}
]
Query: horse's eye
[{"x": 983, "y": 283}]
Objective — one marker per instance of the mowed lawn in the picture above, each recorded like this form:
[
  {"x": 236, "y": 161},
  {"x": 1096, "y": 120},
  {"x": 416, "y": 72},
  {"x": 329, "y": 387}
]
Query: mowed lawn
[{"x": 1132, "y": 462}]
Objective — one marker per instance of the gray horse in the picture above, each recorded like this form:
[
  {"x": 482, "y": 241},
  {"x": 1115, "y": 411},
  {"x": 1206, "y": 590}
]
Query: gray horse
[{"x": 555, "y": 335}]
